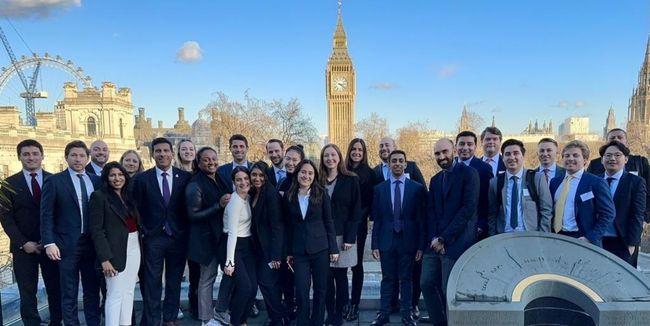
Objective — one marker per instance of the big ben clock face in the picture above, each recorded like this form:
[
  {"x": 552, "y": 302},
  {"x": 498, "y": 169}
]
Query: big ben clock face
[{"x": 340, "y": 84}]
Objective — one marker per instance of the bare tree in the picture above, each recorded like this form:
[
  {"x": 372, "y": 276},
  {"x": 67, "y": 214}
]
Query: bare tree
[
  {"x": 472, "y": 121},
  {"x": 372, "y": 129},
  {"x": 293, "y": 126},
  {"x": 417, "y": 140}
]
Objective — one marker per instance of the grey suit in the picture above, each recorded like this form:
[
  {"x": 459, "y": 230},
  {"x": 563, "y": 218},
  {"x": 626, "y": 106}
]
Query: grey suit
[{"x": 534, "y": 220}]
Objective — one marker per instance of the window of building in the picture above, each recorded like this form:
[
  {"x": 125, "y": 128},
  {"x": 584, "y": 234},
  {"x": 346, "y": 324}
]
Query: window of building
[{"x": 91, "y": 127}]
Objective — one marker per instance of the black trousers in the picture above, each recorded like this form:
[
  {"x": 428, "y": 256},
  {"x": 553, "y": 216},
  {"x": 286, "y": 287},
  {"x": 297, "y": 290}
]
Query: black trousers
[
  {"x": 396, "y": 271},
  {"x": 162, "y": 252},
  {"x": 310, "y": 267},
  {"x": 79, "y": 261},
  {"x": 287, "y": 284},
  {"x": 357, "y": 271},
  {"x": 244, "y": 280},
  {"x": 26, "y": 271},
  {"x": 617, "y": 246},
  {"x": 417, "y": 291},
  {"x": 268, "y": 280},
  {"x": 337, "y": 295},
  {"x": 194, "y": 269}
]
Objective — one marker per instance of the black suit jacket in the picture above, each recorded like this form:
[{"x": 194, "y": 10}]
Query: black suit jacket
[
  {"x": 636, "y": 164},
  {"x": 225, "y": 171},
  {"x": 89, "y": 169},
  {"x": 267, "y": 223},
  {"x": 202, "y": 196},
  {"x": 151, "y": 206},
  {"x": 270, "y": 176},
  {"x": 485, "y": 174},
  {"x": 367, "y": 182},
  {"x": 313, "y": 234},
  {"x": 346, "y": 207},
  {"x": 411, "y": 170},
  {"x": 108, "y": 227},
  {"x": 451, "y": 210},
  {"x": 20, "y": 215},
  {"x": 630, "y": 202}
]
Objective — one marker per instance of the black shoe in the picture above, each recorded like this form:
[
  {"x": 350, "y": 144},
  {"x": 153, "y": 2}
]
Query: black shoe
[
  {"x": 353, "y": 313},
  {"x": 394, "y": 308},
  {"x": 380, "y": 320},
  {"x": 254, "y": 312},
  {"x": 415, "y": 313},
  {"x": 409, "y": 321}
]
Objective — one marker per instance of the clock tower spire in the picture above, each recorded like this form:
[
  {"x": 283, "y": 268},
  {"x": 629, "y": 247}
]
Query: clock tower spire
[{"x": 340, "y": 88}]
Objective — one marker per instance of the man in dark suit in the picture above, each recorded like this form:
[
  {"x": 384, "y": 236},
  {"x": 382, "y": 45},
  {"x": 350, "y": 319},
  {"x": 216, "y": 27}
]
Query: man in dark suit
[
  {"x": 636, "y": 164},
  {"x": 398, "y": 213},
  {"x": 629, "y": 191},
  {"x": 21, "y": 222},
  {"x": 547, "y": 154},
  {"x": 159, "y": 194},
  {"x": 466, "y": 149},
  {"x": 275, "y": 152},
  {"x": 99, "y": 154},
  {"x": 238, "y": 145},
  {"x": 491, "y": 139},
  {"x": 450, "y": 225},
  {"x": 65, "y": 233},
  {"x": 583, "y": 204}
]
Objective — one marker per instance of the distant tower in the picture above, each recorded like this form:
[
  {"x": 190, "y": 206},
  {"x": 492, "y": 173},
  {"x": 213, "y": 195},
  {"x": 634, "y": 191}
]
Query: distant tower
[
  {"x": 494, "y": 124},
  {"x": 340, "y": 89},
  {"x": 465, "y": 121},
  {"x": 550, "y": 127},
  {"x": 638, "y": 117},
  {"x": 182, "y": 126},
  {"x": 610, "y": 123}
]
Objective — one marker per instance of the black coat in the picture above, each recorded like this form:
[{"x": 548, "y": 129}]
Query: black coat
[
  {"x": 630, "y": 202},
  {"x": 108, "y": 227},
  {"x": 313, "y": 234},
  {"x": 267, "y": 224},
  {"x": 21, "y": 214},
  {"x": 367, "y": 182},
  {"x": 206, "y": 216},
  {"x": 346, "y": 207}
]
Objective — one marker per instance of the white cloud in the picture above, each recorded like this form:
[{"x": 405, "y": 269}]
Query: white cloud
[
  {"x": 190, "y": 52},
  {"x": 580, "y": 104},
  {"x": 562, "y": 104},
  {"x": 383, "y": 86},
  {"x": 34, "y": 8},
  {"x": 448, "y": 70}
]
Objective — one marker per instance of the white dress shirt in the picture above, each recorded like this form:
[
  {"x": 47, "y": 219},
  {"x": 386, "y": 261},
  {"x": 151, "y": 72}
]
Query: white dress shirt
[
  {"x": 506, "y": 204},
  {"x": 28, "y": 179},
  {"x": 303, "y": 201},
  {"x": 170, "y": 179},
  {"x": 569, "y": 220}
]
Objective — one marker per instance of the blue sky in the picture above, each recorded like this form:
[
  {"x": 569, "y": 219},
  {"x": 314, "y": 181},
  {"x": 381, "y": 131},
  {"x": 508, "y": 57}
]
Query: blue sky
[{"x": 415, "y": 60}]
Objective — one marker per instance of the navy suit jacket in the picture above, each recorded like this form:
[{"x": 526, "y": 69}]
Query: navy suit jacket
[
  {"x": 60, "y": 213},
  {"x": 485, "y": 174},
  {"x": 594, "y": 214},
  {"x": 225, "y": 171},
  {"x": 451, "y": 210},
  {"x": 151, "y": 206},
  {"x": 412, "y": 170},
  {"x": 630, "y": 201},
  {"x": 413, "y": 212}
]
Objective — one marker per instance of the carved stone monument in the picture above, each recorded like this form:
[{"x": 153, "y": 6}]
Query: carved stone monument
[{"x": 531, "y": 278}]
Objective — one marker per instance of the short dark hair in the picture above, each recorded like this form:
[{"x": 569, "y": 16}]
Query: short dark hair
[
  {"x": 274, "y": 140},
  {"x": 197, "y": 157},
  {"x": 617, "y": 129},
  {"x": 548, "y": 140},
  {"x": 237, "y": 137},
  {"x": 492, "y": 130},
  {"x": 467, "y": 133},
  {"x": 621, "y": 147},
  {"x": 76, "y": 144},
  {"x": 27, "y": 143},
  {"x": 238, "y": 169},
  {"x": 396, "y": 152},
  {"x": 515, "y": 142},
  {"x": 161, "y": 140}
]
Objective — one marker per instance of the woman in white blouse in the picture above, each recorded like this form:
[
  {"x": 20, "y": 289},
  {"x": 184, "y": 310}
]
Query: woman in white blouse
[{"x": 240, "y": 255}]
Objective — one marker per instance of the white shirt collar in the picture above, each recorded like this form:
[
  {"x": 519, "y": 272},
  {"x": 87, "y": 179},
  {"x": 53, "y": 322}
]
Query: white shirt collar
[
  {"x": 494, "y": 158},
  {"x": 96, "y": 168},
  {"x": 518, "y": 174},
  {"x": 74, "y": 173},
  {"x": 551, "y": 168},
  {"x": 160, "y": 172},
  {"x": 616, "y": 175},
  {"x": 234, "y": 164},
  {"x": 275, "y": 169},
  {"x": 402, "y": 178},
  {"x": 39, "y": 173},
  {"x": 578, "y": 174}
]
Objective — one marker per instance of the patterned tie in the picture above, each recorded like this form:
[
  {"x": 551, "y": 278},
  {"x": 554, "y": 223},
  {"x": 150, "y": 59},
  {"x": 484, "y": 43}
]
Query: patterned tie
[
  {"x": 514, "y": 203},
  {"x": 558, "y": 220},
  {"x": 36, "y": 189},
  {"x": 397, "y": 208},
  {"x": 84, "y": 202},
  {"x": 546, "y": 174},
  {"x": 166, "y": 196}
]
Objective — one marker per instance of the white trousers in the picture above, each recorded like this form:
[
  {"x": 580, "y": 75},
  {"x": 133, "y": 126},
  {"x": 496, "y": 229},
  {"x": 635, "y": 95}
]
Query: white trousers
[{"x": 120, "y": 288}]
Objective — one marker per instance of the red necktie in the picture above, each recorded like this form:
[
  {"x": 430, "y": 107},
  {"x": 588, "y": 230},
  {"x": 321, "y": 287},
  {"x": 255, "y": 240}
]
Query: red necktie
[{"x": 36, "y": 189}]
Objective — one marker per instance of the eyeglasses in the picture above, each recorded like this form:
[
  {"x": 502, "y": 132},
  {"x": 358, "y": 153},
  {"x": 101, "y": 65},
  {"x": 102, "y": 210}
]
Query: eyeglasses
[{"x": 617, "y": 156}]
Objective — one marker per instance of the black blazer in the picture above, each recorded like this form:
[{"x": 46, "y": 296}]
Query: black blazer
[
  {"x": 149, "y": 201},
  {"x": 108, "y": 227},
  {"x": 313, "y": 234},
  {"x": 346, "y": 207},
  {"x": 20, "y": 215},
  {"x": 412, "y": 170},
  {"x": 89, "y": 169},
  {"x": 630, "y": 202},
  {"x": 206, "y": 216},
  {"x": 267, "y": 223},
  {"x": 270, "y": 176},
  {"x": 485, "y": 174},
  {"x": 636, "y": 164},
  {"x": 225, "y": 171},
  {"x": 367, "y": 182}
]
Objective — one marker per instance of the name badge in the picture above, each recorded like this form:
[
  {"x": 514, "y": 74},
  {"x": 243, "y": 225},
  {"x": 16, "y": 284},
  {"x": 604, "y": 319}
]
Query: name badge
[
  {"x": 635, "y": 173},
  {"x": 501, "y": 172},
  {"x": 408, "y": 175},
  {"x": 586, "y": 196},
  {"x": 526, "y": 193}
]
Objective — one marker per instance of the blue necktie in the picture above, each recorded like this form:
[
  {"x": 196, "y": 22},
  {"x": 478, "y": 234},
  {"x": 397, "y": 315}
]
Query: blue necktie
[
  {"x": 397, "y": 208},
  {"x": 84, "y": 202},
  {"x": 280, "y": 175},
  {"x": 514, "y": 203}
]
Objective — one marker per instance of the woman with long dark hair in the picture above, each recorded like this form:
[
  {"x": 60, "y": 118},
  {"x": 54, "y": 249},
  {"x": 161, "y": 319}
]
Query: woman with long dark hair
[
  {"x": 356, "y": 161},
  {"x": 268, "y": 234},
  {"x": 113, "y": 224},
  {"x": 311, "y": 240},
  {"x": 343, "y": 188},
  {"x": 292, "y": 157}
]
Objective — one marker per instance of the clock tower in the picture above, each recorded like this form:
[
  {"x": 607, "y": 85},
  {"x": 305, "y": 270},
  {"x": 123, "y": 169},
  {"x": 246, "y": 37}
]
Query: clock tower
[{"x": 340, "y": 90}]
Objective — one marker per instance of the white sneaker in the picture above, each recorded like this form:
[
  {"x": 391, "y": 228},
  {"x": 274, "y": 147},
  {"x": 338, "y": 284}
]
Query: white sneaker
[
  {"x": 211, "y": 322},
  {"x": 180, "y": 314},
  {"x": 222, "y": 318}
]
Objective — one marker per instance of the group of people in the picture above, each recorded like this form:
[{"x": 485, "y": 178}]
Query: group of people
[{"x": 296, "y": 226}]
